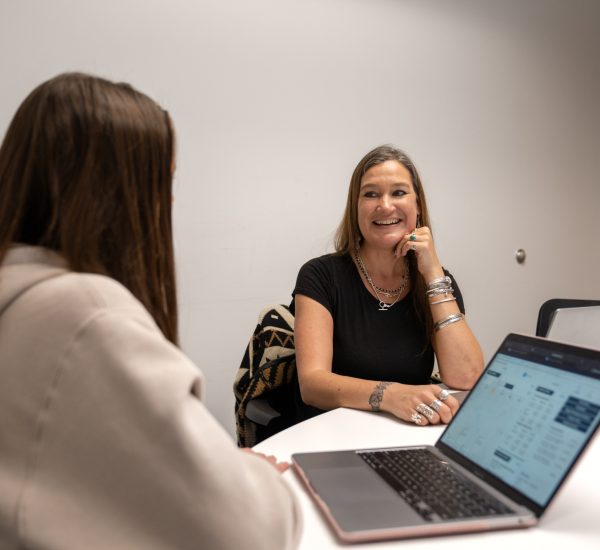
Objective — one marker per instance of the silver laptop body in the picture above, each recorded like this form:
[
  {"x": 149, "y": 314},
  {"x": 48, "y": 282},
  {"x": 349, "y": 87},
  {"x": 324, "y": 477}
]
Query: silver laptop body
[{"x": 516, "y": 438}]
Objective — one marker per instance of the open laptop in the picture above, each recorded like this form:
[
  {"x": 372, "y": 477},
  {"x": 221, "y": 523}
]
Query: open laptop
[
  {"x": 576, "y": 325},
  {"x": 506, "y": 452}
]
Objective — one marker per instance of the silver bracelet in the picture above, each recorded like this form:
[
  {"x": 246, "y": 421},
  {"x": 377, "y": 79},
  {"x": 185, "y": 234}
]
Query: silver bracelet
[
  {"x": 437, "y": 291},
  {"x": 437, "y": 283},
  {"x": 451, "y": 299},
  {"x": 454, "y": 318}
]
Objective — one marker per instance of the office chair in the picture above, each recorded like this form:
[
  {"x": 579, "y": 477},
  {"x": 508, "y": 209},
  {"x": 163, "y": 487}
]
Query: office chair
[
  {"x": 264, "y": 384},
  {"x": 548, "y": 308}
]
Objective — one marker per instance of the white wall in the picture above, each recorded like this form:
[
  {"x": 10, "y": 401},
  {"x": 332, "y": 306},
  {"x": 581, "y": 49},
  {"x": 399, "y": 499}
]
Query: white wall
[{"x": 275, "y": 101}]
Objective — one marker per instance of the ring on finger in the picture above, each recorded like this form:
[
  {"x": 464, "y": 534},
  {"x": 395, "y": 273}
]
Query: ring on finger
[
  {"x": 436, "y": 405},
  {"x": 412, "y": 237},
  {"x": 444, "y": 394},
  {"x": 416, "y": 418},
  {"x": 426, "y": 411}
]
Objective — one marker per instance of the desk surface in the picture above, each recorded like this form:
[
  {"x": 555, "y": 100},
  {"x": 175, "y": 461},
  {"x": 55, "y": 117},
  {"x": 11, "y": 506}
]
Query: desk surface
[{"x": 571, "y": 521}]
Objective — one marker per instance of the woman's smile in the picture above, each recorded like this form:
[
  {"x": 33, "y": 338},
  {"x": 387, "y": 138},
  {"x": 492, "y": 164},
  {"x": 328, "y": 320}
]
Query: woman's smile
[{"x": 387, "y": 204}]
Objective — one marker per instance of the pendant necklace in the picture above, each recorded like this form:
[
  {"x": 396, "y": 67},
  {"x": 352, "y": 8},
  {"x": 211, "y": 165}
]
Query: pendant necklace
[{"x": 383, "y": 306}]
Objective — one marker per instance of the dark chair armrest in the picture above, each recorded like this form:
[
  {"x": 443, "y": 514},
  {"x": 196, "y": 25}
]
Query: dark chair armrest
[{"x": 260, "y": 412}]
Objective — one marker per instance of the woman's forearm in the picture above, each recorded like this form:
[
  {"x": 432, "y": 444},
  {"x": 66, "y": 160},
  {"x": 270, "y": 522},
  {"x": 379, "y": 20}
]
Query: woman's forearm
[
  {"x": 459, "y": 357},
  {"x": 458, "y": 353},
  {"x": 326, "y": 390}
]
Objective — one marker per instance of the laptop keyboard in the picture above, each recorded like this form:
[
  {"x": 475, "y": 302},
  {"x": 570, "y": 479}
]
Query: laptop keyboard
[{"x": 433, "y": 489}]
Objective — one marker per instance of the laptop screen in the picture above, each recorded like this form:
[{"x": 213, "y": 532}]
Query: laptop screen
[{"x": 530, "y": 414}]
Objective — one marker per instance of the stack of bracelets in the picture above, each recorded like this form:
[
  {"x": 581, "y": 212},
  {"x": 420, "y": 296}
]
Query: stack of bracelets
[{"x": 439, "y": 287}]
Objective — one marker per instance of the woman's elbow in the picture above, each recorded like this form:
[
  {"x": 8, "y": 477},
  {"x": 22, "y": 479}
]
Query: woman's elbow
[
  {"x": 312, "y": 392},
  {"x": 465, "y": 377},
  {"x": 308, "y": 394}
]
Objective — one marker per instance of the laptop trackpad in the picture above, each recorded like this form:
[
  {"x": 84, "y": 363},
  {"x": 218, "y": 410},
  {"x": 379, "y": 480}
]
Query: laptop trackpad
[{"x": 359, "y": 499}]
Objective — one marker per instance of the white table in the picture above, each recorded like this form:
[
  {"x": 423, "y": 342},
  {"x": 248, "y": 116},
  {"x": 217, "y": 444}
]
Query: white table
[{"x": 572, "y": 522}]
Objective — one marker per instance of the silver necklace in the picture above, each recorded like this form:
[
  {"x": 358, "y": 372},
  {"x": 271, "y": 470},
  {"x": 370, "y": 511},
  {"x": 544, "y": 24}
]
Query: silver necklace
[{"x": 383, "y": 306}]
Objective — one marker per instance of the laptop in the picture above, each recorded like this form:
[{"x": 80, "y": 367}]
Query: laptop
[
  {"x": 497, "y": 465},
  {"x": 576, "y": 325}
]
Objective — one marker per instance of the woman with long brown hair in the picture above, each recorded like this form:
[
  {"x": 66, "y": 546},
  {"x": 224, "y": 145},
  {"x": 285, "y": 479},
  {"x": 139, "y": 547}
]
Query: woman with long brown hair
[
  {"x": 371, "y": 317},
  {"x": 104, "y": 439}
]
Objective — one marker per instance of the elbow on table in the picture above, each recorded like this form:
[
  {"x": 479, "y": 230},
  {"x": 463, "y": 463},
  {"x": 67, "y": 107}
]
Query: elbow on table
[
  {"x": 461, "y": 384},
  {"x": 311, "y": 392},
  {"x": 308, "y": 395}
]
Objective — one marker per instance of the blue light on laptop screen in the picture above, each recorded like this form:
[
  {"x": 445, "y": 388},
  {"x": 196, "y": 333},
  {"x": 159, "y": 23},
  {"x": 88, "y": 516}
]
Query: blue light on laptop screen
[{"x": 526, "y": 423}]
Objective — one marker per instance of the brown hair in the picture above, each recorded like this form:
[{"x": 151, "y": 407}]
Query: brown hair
[
  {"x": 348, "y": 236},
  {"x": 86, "y": 170}
]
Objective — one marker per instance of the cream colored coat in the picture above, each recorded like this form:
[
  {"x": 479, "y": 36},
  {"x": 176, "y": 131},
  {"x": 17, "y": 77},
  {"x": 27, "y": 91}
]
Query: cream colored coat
[{"x": 104, "y": 440}]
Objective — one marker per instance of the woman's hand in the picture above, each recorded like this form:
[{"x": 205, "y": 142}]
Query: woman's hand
[
  {"x": 279, "y": 466},
  {"x": 421, "y": 242},
  {"x": 421, "y": 405}
]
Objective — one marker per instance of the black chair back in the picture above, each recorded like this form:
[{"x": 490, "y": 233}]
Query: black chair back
[{"x": 548, "y": 308}]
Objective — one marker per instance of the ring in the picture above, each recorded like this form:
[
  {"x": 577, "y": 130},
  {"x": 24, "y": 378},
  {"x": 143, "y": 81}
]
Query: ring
[
  {"x": 425, "y": 411},
  {"x": 444, "y": 394},
  {"x": 416, "y": 418},
  {"x": 412, "y": 237},
  {"x": 436, "y": 405}
]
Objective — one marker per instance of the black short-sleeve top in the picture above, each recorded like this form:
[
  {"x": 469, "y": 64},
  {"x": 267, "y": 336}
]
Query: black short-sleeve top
[{"x": 368, "y": 343}]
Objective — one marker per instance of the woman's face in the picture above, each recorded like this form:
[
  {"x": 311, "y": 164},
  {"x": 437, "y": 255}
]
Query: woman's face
[{"x": 387, "y": 205}]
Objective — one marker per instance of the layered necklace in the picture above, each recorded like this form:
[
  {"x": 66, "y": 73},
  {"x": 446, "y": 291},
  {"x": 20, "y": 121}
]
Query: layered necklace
[{"x": 383, "y": 306}]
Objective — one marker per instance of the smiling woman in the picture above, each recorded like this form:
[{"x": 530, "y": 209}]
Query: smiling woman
[
  {"x": 371, "y": 317},
  {"x": 387, "y": 205}
]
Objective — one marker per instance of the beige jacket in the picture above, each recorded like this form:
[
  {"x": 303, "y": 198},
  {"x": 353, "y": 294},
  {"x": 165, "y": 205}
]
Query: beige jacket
[{"x": 104, "y": 440}]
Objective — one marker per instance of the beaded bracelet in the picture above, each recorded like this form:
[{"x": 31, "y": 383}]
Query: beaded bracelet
[{"x": 455, "y": 317}]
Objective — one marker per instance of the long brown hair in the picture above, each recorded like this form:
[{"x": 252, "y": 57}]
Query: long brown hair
[
  {"x": 348, "y": 236},
  {"x": 86, "y": 170}
]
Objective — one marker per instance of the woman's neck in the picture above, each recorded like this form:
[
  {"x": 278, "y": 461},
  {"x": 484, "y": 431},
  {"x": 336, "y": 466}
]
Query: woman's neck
[{"x": 382, "y": 264}]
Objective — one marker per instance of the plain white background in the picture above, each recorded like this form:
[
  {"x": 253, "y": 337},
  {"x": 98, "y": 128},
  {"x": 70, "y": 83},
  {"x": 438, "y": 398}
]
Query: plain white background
[{"x": 275, "y": 101}]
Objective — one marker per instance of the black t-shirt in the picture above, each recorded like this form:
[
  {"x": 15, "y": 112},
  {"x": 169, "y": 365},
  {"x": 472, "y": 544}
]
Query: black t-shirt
[{"x": 367, "y": 343}]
